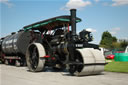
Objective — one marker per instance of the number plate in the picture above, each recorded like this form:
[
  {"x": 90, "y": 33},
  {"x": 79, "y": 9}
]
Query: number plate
[{"x": 79, "y": 45}]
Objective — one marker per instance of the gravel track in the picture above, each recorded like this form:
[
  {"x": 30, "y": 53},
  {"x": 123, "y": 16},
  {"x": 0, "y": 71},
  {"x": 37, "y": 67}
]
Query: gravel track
[{"x": 11, "y": 75}]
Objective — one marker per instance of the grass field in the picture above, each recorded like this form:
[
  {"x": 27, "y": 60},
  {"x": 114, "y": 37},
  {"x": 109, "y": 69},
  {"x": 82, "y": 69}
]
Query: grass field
[{"x": 117, "y": 67}]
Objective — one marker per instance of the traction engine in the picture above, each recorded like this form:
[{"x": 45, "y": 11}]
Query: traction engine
[{"x": 62, "y": 48}]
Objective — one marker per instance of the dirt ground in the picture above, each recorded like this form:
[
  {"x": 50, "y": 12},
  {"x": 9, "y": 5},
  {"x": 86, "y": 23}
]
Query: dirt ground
[{"x": 11, "y": 75}]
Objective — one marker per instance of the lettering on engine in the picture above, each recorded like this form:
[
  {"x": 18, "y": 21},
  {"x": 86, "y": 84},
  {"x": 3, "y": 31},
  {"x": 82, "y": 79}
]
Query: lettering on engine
[{"x": 79, "y": 45}]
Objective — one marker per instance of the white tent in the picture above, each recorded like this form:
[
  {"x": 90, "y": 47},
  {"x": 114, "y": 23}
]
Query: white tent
[{"x": 126, "y": 50}]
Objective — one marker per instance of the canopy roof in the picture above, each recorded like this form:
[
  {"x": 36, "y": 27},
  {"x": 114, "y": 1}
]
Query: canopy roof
[{"x": 50, "y": 24}]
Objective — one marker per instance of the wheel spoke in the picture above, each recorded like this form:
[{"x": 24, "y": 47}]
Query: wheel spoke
[{"x": 34, "y": 58}]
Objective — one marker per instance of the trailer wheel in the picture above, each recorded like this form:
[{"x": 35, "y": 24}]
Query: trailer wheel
[
  {"x": 18, "y": 63},
  {"x": 34, "y": 57}
]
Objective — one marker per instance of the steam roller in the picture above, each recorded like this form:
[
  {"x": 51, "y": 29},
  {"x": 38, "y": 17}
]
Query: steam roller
[
  {"x": 62, "y": 48},
  {"x": 88, "y": 61}
]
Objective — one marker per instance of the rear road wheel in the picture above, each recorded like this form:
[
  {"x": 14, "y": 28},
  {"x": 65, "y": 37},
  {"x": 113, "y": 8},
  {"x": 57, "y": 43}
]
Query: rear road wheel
[{"x": 34, "y": 57}]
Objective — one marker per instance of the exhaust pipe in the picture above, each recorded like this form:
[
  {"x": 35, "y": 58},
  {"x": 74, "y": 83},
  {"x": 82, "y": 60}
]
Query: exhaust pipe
[{"x": 73, "y": 23}]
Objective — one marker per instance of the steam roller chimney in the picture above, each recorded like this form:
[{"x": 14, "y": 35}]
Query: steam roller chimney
[{"x": 73, "y": 23}]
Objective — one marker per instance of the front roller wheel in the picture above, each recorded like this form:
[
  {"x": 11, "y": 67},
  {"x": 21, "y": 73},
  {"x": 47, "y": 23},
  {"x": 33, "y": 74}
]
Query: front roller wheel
[
  {"x": 73, "y": 68},
  {"x": 34, "y": 57},
  {"x": 90, "y": 61}
]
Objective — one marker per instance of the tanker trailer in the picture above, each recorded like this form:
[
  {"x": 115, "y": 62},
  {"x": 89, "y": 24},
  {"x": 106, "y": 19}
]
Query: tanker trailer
[
  {"x": 14, "y": 47},
  {"x": 63, "y": 48},
  {"x": 1, "y": 53}
]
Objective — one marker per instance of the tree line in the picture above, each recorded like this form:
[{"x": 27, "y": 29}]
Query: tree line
[{"x": 111, "y": 42}]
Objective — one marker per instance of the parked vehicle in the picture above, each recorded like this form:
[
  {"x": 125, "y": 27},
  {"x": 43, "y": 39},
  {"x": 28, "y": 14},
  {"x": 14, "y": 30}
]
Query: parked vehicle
[{"x": 111, "y": 56}]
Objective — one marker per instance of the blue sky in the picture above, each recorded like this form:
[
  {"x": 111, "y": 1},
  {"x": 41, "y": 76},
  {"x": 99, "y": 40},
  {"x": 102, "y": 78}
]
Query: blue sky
[{"x": 96, "y": 15}]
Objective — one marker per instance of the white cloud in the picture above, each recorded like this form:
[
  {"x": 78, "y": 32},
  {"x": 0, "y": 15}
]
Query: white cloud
[
  {"x": 124, "y": 38},
  {"x": 4, "y": 34},
  {"x": 96, "y": 0},
  {"x": 90, "y": 30},
  {"x": 6, "y": 2},
  {"x": 95, "y": 41},
  {"x": 77, "y": 4},
  {"x": 115, "y": 30},
  {"x": 119, "y": 2},
  {"x": 105, "y": 4}
]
